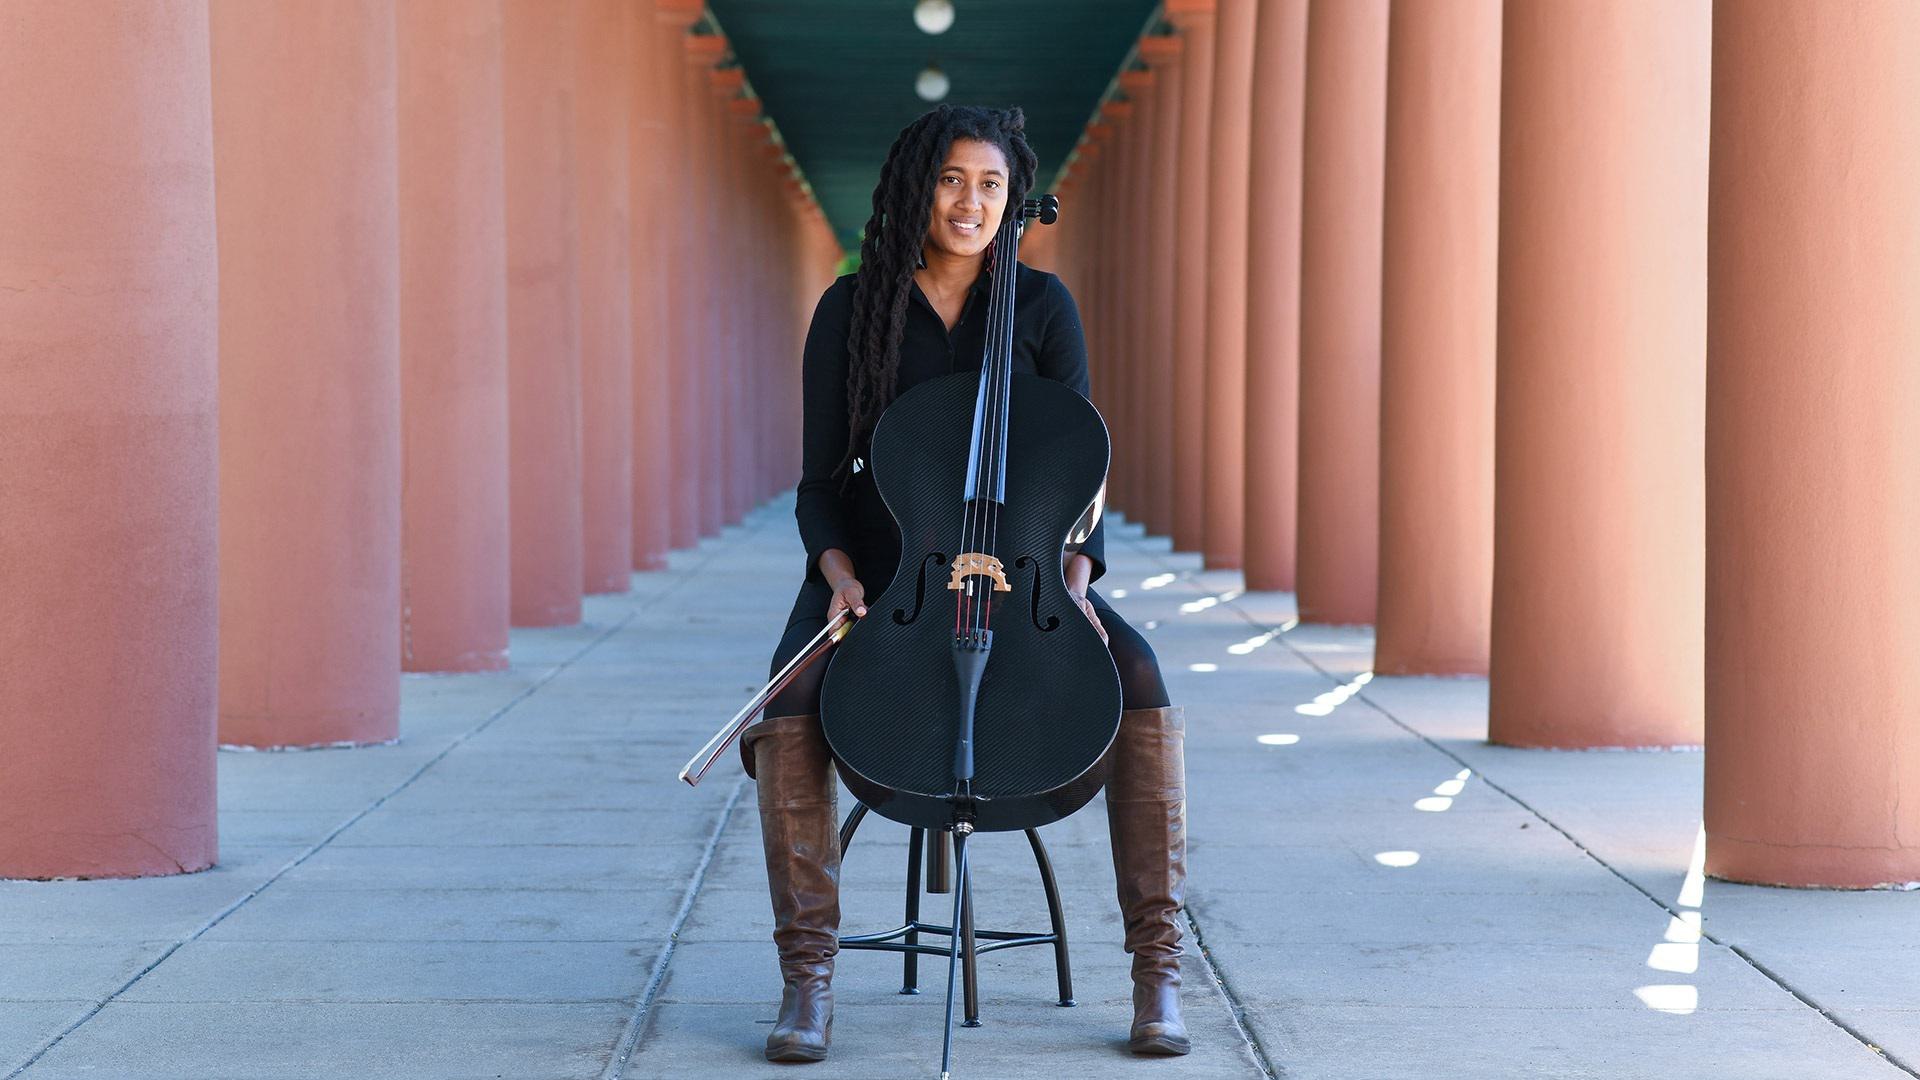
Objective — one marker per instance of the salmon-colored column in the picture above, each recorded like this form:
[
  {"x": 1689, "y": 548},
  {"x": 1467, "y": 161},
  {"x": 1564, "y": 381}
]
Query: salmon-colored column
[
  {"x": 454, "y": 568},
  {"x": 1088, "y": 226},
  {"x": 601, "y": 120},
  {"x": 704, "y": 267},
  {"x": 1162, "y": 53},
  {"x": 1438, "y": 286},
  {"x": 1275, "y": 136},
  {"x": 1135, "y": 249},
  {"x": 1598, "y": 519},
  {"x": 675, "y": 257},
  {"x": 1813, "y": 422},
  {"x": 725, "y": 327},
  {"x": 652, "y": 166},
  {"x": 606, "y": 297},
  {"x": 1141, "y": 300},
  {"x": 778, "y": 353},
  {"x": 1118, "y": 293},
  {"x": 543, "y": 314},
  {"x": 108, "y": 637},
  {"x": 1098, "y": 230},
  {"x": 1133, "y": 160},
  {"x": 744, "y": 237},
  {"x": 1224, "y": 449},
  {"x": 655, "y": 162},
  {"x": 729, "y": 303},
  {"x": 1342, "y": 175},
  {"x": 1192, "y": 274},
  {"x": 304, "y": 123}
]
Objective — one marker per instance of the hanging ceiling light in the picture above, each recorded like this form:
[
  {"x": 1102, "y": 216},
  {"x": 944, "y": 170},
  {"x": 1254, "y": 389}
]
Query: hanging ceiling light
[
  {"x": 932, "y": 85},
  {"x": 933, "y": 16}
]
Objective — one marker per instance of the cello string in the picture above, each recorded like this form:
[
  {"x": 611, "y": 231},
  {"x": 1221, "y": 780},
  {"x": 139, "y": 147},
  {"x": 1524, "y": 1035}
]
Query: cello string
[
  {"x": 979, "y": 511},
  {"x": 976, "y": 510},
  {"x": 971, "y": 528},
  {"x": 1006, "y": 255},
  {"x": 975, "y": 522},
  {"x": 974, "y": 526}
]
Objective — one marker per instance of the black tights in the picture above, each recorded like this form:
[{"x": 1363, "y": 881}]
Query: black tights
[{"x": 1140, "y": 684}]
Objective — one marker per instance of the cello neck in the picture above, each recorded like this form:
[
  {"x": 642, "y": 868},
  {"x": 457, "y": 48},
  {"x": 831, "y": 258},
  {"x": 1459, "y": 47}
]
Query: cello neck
[{"x": 987, "y": 456}]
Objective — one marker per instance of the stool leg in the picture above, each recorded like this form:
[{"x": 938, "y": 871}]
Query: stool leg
[
  {"x": 910, "y": 979},
  {"x": 970, "y": 972},
  {"x": 848, "y": 827},
  {"x": 939, "y": 867},
  {"x": 1063, "y": 970}
]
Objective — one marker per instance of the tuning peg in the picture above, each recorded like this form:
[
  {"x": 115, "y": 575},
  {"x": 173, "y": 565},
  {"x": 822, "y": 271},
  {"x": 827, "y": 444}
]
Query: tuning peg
[{"x": 1044, "y": 207}]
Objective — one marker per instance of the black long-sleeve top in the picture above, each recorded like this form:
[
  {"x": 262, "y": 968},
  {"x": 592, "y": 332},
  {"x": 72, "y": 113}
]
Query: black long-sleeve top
[{"x": 1047, "y": 341}]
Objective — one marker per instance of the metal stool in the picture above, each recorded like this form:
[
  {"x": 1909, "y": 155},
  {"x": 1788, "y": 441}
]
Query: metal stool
[{"x": 906, "y": 938}]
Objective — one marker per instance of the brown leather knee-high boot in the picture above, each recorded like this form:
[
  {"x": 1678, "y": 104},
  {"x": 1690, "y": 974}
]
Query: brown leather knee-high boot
[
  {"x": 788, "y": 756},
  {"x": 1147, "y": 819}
]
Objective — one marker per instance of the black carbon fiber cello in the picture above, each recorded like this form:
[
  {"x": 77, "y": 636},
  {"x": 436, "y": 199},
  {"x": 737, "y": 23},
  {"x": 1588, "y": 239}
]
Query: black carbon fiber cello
[{"x": 976, "y": 695}]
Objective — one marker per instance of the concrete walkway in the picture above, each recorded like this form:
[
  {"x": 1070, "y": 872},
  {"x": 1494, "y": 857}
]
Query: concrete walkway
[{"x": 520, "y": 888}]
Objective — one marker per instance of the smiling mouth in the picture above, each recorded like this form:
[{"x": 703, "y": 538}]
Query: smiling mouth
[{"x": 967, "y": 227}]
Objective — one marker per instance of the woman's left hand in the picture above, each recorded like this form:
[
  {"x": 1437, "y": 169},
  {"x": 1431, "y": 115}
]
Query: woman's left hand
[{"x": 1093, "y": 615}]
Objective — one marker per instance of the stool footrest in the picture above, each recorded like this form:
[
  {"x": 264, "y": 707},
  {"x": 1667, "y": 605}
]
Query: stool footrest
[
  {"x": 905, "y": 938},
  {"x": 886, "y": 941}
]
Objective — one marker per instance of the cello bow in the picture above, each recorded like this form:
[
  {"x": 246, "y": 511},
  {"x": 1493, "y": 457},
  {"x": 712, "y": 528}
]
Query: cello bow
[{"x": 696, "y": 767}]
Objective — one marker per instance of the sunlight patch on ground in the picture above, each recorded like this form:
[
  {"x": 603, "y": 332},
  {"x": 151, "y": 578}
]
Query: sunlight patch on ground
[
  {"x": 1323, "y": 704},
  {"x": 1442, "y": 796},
  {"x": 1680, "y": 952}
]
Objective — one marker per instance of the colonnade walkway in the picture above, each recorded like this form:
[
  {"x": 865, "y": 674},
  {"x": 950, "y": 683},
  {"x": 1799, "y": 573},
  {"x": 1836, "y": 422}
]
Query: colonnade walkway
[{"x": 520, "y": 888}]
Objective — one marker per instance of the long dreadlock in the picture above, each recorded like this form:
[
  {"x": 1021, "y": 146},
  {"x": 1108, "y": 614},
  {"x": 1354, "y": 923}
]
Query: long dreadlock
[{"x": 890, "y": 251}]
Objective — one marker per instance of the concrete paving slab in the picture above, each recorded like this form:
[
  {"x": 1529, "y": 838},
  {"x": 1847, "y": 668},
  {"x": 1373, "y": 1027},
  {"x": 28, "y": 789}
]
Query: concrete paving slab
[
  {"x": 1031, "y": 1039},
  {"x": 1426, "y": 916},
  {"x": 243, "y": 972},
  {"x": 131, "y": 909},
  {"x": 25, "y": 1026},
  {"x": 297, "y": 914},
  {"x": 1446, "y": 1042},
  {"x": 520, "y": 866},
  {"x": 1489, "y": 975},
  {"x": 609, "y": 827},
  {"x": 46, "y": 971},
  {"x": 328, "y": 1041}
]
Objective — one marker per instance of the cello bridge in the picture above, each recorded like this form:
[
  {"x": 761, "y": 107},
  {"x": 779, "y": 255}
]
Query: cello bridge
[{"x": 974, "y": 562}]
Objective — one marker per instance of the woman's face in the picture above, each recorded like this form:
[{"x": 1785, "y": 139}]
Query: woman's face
[{"x": 969, "y": 198}]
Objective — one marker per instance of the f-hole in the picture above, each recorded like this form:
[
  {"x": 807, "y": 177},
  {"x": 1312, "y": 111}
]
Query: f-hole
[
  {"x": 935, "y": 562},
  {"x": 1052, "y": 621}
]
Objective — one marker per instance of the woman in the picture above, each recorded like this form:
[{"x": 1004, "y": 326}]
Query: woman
[{"x": 915, "y": 310}]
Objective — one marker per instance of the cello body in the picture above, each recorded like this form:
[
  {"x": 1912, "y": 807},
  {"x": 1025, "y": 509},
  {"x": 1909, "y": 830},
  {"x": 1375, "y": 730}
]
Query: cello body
[{"x": 1048, "y": 703}]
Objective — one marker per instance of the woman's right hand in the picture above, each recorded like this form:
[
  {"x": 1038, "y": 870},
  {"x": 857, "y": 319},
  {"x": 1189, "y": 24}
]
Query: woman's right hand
[{"x": 848, "y": 595}]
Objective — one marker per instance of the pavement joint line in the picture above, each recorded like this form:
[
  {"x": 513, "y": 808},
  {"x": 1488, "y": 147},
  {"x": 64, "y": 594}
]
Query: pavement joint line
[
  {"x": 636, "y": 1023},
  {"x": 1234, "y": 1009},
  {"x": 459, "y": 740},
  {"x": 1765, "y": 972}
]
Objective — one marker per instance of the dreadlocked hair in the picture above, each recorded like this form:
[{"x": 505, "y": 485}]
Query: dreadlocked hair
[{"x": 890, "y": 249}]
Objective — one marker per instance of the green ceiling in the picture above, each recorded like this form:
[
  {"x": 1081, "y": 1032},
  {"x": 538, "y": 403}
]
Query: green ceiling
[{"x": 837, "y": 76}]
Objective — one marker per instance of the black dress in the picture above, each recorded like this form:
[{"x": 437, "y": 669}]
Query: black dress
[{"x": 1047, "y": 341}]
